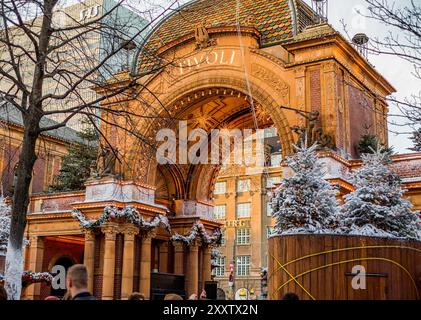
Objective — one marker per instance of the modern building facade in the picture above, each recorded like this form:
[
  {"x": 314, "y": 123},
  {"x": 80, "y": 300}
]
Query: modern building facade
[{"x": 87, "y": 49}]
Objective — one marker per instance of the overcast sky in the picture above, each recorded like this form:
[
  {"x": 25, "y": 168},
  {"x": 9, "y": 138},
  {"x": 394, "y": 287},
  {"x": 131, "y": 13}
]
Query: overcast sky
[{"x": 394, "y": 69}]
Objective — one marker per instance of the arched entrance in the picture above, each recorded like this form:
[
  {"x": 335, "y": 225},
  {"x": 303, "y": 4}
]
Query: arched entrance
[
  {"x": 66, "y": 262},
  {"x": 206, "y": 107}
]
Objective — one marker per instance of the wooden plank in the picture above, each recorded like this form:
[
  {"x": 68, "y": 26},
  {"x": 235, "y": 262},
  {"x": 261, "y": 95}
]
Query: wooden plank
[{"x": 332, "y": 283}]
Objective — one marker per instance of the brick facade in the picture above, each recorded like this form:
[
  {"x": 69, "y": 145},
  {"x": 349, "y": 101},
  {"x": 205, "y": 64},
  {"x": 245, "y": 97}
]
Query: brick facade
[
  {"x": 53, "y": 251},
  {"x": 361, "y": 117}
]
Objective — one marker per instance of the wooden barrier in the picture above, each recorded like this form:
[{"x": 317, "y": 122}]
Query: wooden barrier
[{"x": 320, "y": 267}]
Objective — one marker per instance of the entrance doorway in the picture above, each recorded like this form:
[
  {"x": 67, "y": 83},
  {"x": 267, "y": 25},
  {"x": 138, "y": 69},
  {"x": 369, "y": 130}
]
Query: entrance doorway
[{"x": 66, "y": 262}]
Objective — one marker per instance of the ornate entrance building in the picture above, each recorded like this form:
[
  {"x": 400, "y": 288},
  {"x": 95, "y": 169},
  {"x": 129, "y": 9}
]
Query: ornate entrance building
[{"x": 210, "y": 65}]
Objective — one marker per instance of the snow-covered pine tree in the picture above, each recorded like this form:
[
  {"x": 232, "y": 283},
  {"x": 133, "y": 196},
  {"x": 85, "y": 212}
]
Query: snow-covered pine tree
[
  {"x": 377, "y": 206},
  {"x": 304, "y": 202},
  {"x": 416, "y": 139}
]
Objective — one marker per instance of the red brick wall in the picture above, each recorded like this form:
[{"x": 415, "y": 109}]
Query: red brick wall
[
  {"x": 340, "y": 112},
  {"x": 119, "y": 245},
  {"x": 98, "y": 267},
  {"x": 53, "y": 250},
  {"x": 136, "y": 278},
  {"x": 361, "y": 117},
  {"x": 38, "y": 176}
]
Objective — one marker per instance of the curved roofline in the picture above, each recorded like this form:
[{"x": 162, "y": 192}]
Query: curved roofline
[
  {"x": 139, "y": 51},
  {"x": 291, "y": 9}
]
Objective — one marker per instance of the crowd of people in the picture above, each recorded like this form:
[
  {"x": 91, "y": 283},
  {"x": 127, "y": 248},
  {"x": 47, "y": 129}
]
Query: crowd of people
[{"x": 77, "y": 289}]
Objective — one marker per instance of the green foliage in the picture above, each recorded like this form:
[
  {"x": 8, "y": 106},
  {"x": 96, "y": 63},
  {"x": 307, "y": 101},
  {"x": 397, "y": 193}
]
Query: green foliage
[
  {"x": 75, "y": 168},
  {"x": 369, "y": 143}
]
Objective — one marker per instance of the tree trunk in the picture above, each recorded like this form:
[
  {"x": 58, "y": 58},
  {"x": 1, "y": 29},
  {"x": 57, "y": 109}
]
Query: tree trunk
[{"x": 14, "y": 257}]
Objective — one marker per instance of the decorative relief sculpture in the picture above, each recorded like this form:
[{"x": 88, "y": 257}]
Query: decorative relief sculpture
[
  {"x": 267, "y": 75},
  {"x": 105, "y": 163},
  {"x": 202, "y": 37},
  {"x": 311, "y": 134}
]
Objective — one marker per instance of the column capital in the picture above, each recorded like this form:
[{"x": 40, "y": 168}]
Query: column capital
[
  {"x": 89, "y": 234},
  {"x": 178, "y": 245},
  {"x": 110, "y": 230},
  {"x": 164, "y": 244},
  {"x": 148, "y": 235},
  {"x": 129, "y": 231},
  {"x": 35, "y": 241},
  {"x": 207, "y": 247},
  {"x": 33, "y": 238},
  {"x": 195, "y": 244}
]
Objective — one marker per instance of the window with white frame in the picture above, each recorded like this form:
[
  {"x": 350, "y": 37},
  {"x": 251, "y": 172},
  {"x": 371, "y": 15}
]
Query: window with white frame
[
  {"x": 269, "y": 209},
  {"x": 243, "y": 236},
  {"x": 220, "y": 270},
  {"x": 243, "y": 185},
  {"x": 220, "y": 187},
  {"x": 243, "y": 210},
  {"x": 275, "y": 159},
  {"x": 219, "y": 211},
  {"x": 243, "y": 265},
  {"x": 223, "y": 239},
  {"x": 271, "y": 181}
]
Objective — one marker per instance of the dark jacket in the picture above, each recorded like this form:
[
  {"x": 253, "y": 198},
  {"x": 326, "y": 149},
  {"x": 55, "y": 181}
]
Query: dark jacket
[{"x": 84, "y": 296}]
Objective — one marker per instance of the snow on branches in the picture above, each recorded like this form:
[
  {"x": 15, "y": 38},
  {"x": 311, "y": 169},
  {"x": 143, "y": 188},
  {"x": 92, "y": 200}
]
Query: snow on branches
[
  {"x": 129, "y": 213},
  {"x": 198, "y": 229},
  {"x": 377, "y": 206},
  {"x": 305, "y": 202}
]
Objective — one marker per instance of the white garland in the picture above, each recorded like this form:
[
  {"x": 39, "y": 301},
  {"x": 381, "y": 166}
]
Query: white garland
[
  {"x": 129, "y": 213},
  {"x": 198, "y": 229},
  {"x": 31, "y": 277}
]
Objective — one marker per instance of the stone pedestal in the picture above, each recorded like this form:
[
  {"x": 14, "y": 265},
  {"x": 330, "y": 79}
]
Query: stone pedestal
[
  {"x": 110, "y": 231},
  {"x": 89, "y": 257},
  {"x": 128, "y": 260}
]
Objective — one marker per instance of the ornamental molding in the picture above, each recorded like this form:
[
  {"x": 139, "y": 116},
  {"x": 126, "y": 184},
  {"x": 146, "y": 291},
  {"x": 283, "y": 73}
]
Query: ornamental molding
[
  {"x": 268, "y": 76},
  {"x": 268, "y": 56}
]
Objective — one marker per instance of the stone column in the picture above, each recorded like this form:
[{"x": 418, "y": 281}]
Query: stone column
[
  {"x": 163, "y": 257},
  {"x": 145, "y": 263},
  {"x": 178, "y": 257},
  {"x": 206, "y": 269},
  {"x": 192, "y": 272},
  {"x": 89, "y": 257},
  {"x": 128, "y": 260},
  {"x": 36, "y": 257},
  {"x": 110, "y": 232}
]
